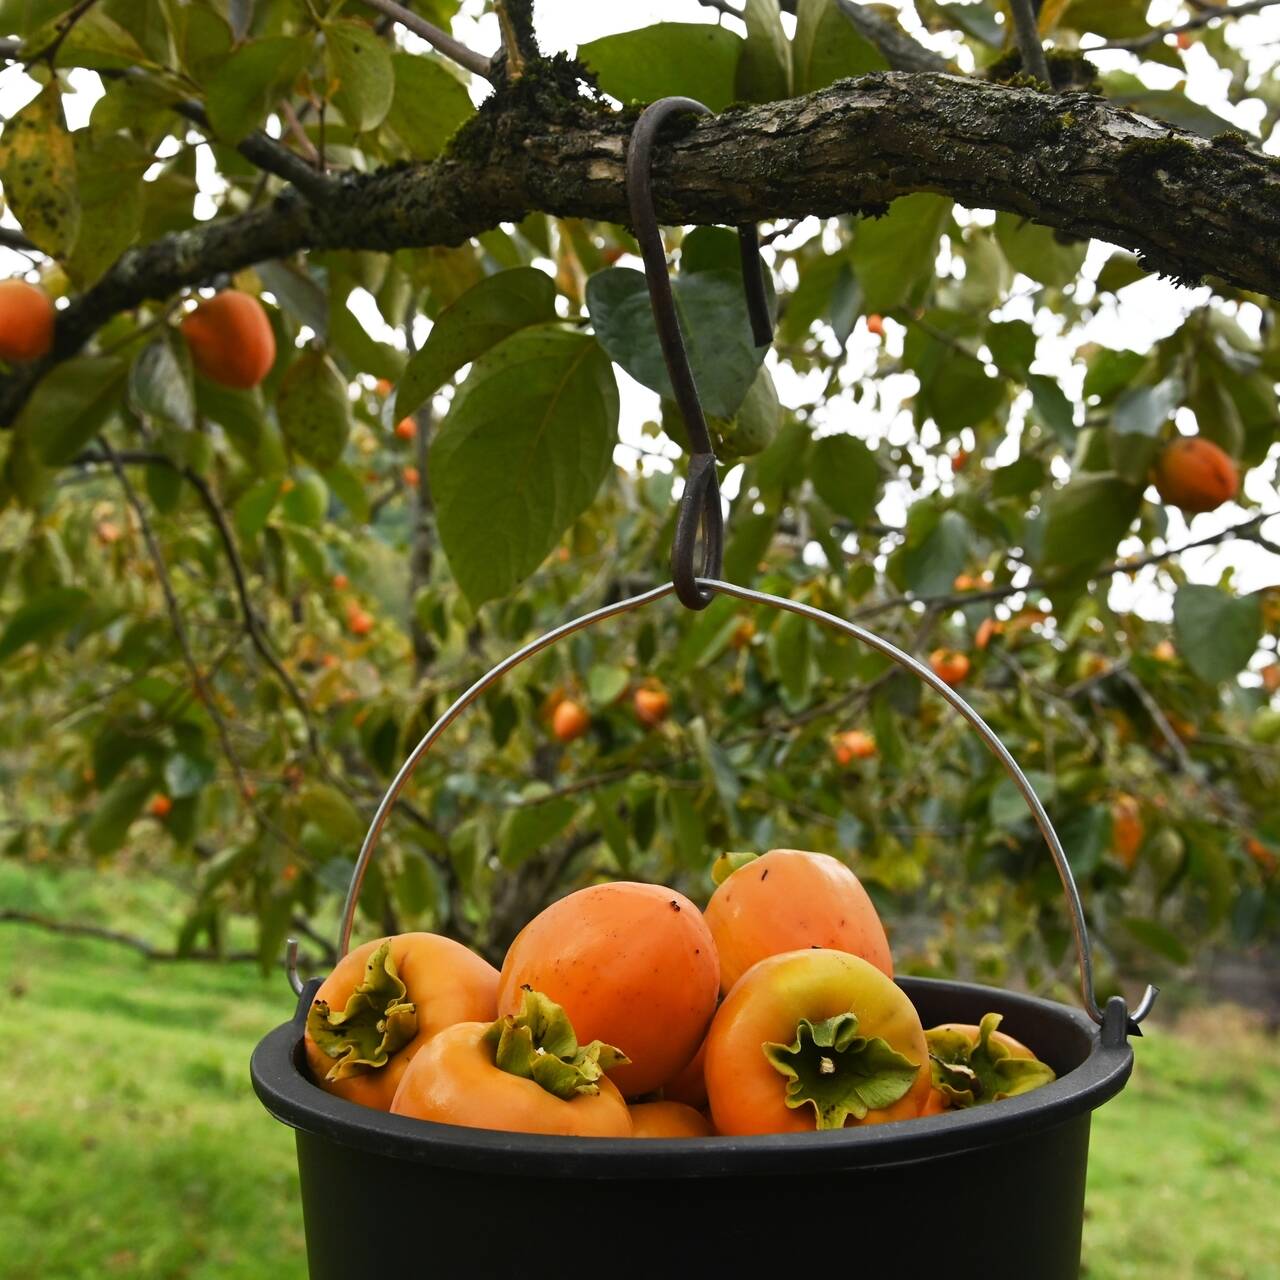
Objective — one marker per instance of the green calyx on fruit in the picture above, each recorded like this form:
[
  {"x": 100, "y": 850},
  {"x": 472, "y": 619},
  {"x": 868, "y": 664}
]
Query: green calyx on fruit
[
  {"x": 377, "y": 1022},
  {"x": 539, "y": 1044},
  {"x": 727, "y": 863},
  {"x": 839, "y": 1073},
  {"x": 969, "y": 1072}
]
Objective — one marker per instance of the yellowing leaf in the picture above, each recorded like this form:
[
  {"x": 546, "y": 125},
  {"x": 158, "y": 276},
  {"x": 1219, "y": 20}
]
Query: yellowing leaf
[{"x": 38, "y": 169}]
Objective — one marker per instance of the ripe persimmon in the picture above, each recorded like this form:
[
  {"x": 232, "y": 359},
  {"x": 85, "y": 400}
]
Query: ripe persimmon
[
  {"x": 632, "y": 964},
  {"x": 411, "y": 476},
  {"x": 406, "y": 429},
  {"x": 569, "y": 720},
  {"x": 160, "y": 806},
  {"x": 988, "y": 629},
  {"x": 1126, "y": 829},
  {"x": 853, "y": 744},
  {"x": 949, "y": 665},
  {"x": 231, "y": 339},
  {"x": 689, "y": 1085},
  {"x": 26, "y": 321},
  {"x": 787, "y": 899},
  {"x": 1271, "y": 677},
  {"x": 651, "y": 705},
  {"x": 383, "y": 1002},
  {"x": 341, "y": 582},
  {"x": 1195, "y": 475},
  {"x": 524, "y": 1073},
  {"x": 973, "y": 1064},
  {"x": 359, "y": 621},
  {"x": 668, "y": 1120},
  {"x": 815, "y": 1039},
  {"x": 875, "y": 324}
]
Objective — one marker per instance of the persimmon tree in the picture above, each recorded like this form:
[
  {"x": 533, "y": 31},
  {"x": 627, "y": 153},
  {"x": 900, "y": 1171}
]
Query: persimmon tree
[{"x": 229, "y": 610}]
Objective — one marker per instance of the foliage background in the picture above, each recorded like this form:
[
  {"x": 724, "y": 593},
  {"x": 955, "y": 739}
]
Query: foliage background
[{"x": 179, "y": 620}]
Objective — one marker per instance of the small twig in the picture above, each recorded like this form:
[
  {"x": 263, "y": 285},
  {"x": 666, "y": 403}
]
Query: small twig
[
  {"x": 1210, "y": 14},
  {"x": 65, "y": 25},
  {"x": 1027, "y": 32},
  {"x": 12, "y": 238},
  {"x": 298, "y": 133},
  {"x": 439, "y": 39}
]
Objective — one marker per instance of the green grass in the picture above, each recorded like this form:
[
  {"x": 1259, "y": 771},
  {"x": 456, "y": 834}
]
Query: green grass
[{"x": 132, "y": 1144}]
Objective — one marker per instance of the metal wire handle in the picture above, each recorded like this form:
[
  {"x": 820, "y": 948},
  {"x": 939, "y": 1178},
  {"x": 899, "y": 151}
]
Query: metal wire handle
[
  {"x": 713, "y": 587},
  {"x": 700, "y": 503}
]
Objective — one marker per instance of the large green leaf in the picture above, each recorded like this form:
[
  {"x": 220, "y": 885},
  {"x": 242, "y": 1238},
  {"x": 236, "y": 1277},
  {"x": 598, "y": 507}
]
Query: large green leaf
[
  {"x": 1037, "y": 252},
  {"x": 246, "y": 86},
  {"x": 115, "y": 813},
  {"x": 314, "y": 412},
  {"x": 70, "y": 404},
  {"x": 827, "y": 48},
  {"x": 846, "y": 475},
  {"x": 764, "y": 66},
  {"x": 713, "y": 319},
  {"x": 429, "y": 104},
  {"x": 161, "y": 383},
  {"x": 38, "y": 169},
  {"x": 360, "y": 72},
  {"x": 109, "y": 184},
  {"x": 893, "y": 256},
  {"x": 488, "y": 312},
  {"x": 686, "y": 59},
  {"x": 40, "y": 617},
  {"x": 930, "y": 562},
  {"x": 528, "y": 829},
  {"x": 520, "y": 455},
  {"x": 1087, "y": 518},
  {"x": 1216, "y": 633}
]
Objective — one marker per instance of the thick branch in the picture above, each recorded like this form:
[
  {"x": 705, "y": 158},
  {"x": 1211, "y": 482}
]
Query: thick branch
[{"x": 1189, "y": 207}]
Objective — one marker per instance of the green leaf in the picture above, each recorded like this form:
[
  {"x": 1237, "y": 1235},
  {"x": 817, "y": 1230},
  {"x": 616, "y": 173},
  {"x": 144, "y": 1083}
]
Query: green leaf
[
  {"x": 492, "y": 310},
  {"x": 1110, "y": 372},
  {"x": 606, "y": 684},
  {"x": 713, "y": 318},
  {"x": 1086, "y": 519},
  {"x": 429, "y": 105},
  {"x": 161, "y": 384},
  {"x": 99, "y": 43},
  {"x": 930, "y": 565},
  {"x": 254, "y": 507},
  {"x": 187, "y": 775},
  {"x": 791, "y": 647},
  {"x": 109, "y": 180},
  {"x": 764, "y": 65},
  {"x": 846, "y": 475},
  {"x": 1215, "y": 632},
  {"x": 245, "y": 87},
  {"x": 115, "y": 813},
  {"x": 359, "y": 65},
  {"x": 1052, "y": 407},
  {"x": 1007, "y": 806},
  {"x": 976, "y": 20},
  {"x": 1037, "y": 252},
  {"x": 893, "y": 256},
  {"x": 1119, "y": 270},
  {"x": 521, "y": 454},
  {"x": 70, "y": 404},
  {"x": 1158, "y": 939},
  {"x": 527, "y": 831},
  {"x": 38, "y": 170},
  {"x": 40, "y": 617},
  {"x": 826, "y": 47},
  {"x": 684, "y": 59},
  {"x": 333, "y": 812},
  {"x": 313, "y": 409},
  {"x": 1144, "y": 410},
  {"x": 1111, "y": 19},
  {"x": 1013, "y": 346}
]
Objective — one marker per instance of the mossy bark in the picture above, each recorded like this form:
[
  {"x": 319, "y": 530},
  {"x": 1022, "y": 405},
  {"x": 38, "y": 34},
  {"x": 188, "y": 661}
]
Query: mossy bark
[{"x": 1187, "y": 207}]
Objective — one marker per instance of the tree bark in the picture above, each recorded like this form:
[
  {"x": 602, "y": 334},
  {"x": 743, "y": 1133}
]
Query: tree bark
[{"x": 1189, "y": 207}]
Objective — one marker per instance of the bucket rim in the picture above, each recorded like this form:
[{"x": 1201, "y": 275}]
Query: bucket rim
[{"x": 292, "y": 1098}]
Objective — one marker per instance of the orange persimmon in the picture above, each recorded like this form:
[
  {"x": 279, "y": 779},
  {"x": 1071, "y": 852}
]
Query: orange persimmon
[
  {"x": 231, "y": 339},
  {"x": 668, "y": 1120},
  {"x": 974, "y": 1064},
  {"x": 26, "y": 321},
  {"x": 1195, "y": 475}
]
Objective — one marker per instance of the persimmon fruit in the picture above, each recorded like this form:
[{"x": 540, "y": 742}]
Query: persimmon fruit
[
  {"x": 1271, "y": 677},
  {"x": 160, "y": 806},
  {"x": 524, "y": 1073},
  {"x": 853, "y": 744},
  {"x": 652, "y": 704},
  {"x": 411, "y": 476},
  {"x": 231, "y": 339},
  {"x": 569, "y": 720},
  {"x": 668, "y": 1120},
  {"x": 689, "y": 1085},
  {"x": 406, "y": 429},
  {"x": 383, "y": 1002},
  {"x": 26, "y": 321},
  {"x": 815, "y": 1039},
  {"x": 875, "y": 324},
  {"x": 1126, "y": 829},
  {"x": 1195, "y": 475},
  {"x": 633, "y": 965},
  {"x": 787, "y": 899},
  {"x": 950, "y": 665},
  {"x": 973, "y": 1064}
]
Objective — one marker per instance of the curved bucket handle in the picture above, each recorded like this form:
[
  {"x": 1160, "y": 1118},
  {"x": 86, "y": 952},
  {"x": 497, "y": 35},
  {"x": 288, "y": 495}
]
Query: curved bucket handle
[{"x": 1079, "y": 929}]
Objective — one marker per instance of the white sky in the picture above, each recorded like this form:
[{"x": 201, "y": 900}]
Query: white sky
[{"x": 1144, "y": 312}]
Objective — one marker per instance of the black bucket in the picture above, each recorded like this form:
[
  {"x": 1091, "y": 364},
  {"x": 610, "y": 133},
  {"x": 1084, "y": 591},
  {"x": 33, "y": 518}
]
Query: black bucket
[{"x": 991, "y": 1191}]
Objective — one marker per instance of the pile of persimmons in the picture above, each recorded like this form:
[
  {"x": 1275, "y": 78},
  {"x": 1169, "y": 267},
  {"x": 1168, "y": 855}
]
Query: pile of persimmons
[{"x": 624, "y": 1011}]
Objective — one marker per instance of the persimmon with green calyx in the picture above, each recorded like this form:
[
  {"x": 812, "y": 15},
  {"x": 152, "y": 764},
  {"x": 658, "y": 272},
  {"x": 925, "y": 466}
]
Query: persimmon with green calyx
[
  {"x": 633, "y": 965},
  {"x": 383, "y": 1002},
  {"x": 524, "y": 1073},
  {"x": 668, "y": 1120},
  {"x": 971, "y": 1065},
  {"x": 811, "y": 1040},
  {"x": 787, "y": 899}
]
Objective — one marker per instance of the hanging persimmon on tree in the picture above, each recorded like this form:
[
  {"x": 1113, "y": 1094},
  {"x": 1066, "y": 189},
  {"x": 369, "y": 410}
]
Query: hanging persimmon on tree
[{"x": 329, "y": 378}]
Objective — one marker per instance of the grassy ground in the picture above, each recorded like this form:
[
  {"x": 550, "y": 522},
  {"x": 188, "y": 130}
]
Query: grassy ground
[{"x": 133, "y": 1145}]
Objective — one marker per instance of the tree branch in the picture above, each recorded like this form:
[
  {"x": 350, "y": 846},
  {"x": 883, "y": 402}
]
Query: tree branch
[
  {"x": 437, "y": 38},
  {"x": 900, "y": 51},
  {"x": 1211, "y": 14},
  {"x": 1027, "y": 32},
  {"x": 1189, "y": 207}
]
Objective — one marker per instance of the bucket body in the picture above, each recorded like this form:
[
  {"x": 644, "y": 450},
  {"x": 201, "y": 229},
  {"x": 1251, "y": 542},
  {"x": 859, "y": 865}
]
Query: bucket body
[{"x": 994, "y": 1191}]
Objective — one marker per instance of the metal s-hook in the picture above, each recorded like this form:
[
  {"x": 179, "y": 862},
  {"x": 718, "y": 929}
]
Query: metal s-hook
[{"x": 700, "y": 505}]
